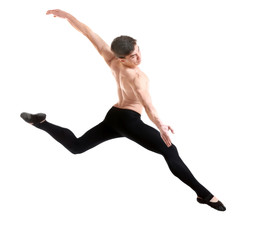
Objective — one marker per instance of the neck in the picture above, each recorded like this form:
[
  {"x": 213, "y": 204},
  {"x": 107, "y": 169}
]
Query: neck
[{"x": 133, "y": 66}]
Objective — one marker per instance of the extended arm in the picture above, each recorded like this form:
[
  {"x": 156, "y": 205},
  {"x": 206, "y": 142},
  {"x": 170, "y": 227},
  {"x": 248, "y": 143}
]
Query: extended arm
[
  {"x": 140, "y": 88},
  {"x": 101, "y": 46}
]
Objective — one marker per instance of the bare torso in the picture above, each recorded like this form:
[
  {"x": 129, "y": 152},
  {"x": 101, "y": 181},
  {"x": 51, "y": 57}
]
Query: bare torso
[{"x": 124, "y": 77}]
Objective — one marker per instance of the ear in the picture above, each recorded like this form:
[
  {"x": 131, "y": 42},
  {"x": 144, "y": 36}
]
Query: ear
[{"x": 121, "y": 59}]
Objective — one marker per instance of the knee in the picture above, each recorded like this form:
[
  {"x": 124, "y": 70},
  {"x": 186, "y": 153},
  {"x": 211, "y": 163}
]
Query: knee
[
  {"x": 75, "y": 152},
  {"x": 172, "y": 157},
  {"x": 170, "y": 152},
  {"x": 76, "y": 149}
]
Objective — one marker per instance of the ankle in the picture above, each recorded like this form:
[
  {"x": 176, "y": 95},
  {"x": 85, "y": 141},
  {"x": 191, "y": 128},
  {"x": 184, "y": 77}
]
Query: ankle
[{"x": 213, "y": 199}]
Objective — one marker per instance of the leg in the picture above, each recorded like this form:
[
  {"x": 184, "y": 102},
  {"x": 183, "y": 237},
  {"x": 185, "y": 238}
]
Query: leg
[
  {"x": 90, "y": 139},
  {"x": 150, "y": 139}
]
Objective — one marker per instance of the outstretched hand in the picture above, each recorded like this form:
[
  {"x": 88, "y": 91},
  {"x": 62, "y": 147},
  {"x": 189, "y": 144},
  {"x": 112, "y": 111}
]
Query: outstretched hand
[
  {"x": 164, "y": 131},
  {"x": 58, "y": 13}
]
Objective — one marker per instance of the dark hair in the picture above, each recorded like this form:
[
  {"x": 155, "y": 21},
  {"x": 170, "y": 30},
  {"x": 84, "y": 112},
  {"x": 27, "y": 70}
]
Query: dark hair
[{"x": 123, "y": 46}]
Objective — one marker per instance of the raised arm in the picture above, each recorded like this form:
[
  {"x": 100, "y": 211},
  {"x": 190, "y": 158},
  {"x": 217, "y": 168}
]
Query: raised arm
[
  {"x": 101, "y": 46},
  {"x": 141, "y": 90}
]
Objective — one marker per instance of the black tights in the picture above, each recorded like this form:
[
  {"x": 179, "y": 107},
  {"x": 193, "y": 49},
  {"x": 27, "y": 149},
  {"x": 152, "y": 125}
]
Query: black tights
[{"x": 126, "y": 123}]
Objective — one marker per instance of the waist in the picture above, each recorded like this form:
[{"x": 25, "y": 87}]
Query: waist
[
  {"x": 132, "y": 107},
  {"x": 116, "y": 114},
  {"x": 125, "y": 110}
]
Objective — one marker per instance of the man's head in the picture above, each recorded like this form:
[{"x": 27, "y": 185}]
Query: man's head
[{"x": 126, "y": 49}]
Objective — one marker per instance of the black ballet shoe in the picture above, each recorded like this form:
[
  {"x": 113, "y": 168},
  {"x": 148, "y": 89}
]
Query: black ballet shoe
[
  {"x": 216, "y": 205},
  {"x": 33, "y": 118}
]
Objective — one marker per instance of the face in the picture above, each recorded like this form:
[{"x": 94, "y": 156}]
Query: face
[{"x": 134, "y": 58}]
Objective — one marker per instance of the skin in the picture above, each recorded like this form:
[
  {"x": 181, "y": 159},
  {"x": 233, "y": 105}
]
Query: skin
[{"x": 132, "y": 83}]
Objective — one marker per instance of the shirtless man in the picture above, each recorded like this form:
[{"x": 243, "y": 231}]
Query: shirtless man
[{"x": 124, "y": 118}]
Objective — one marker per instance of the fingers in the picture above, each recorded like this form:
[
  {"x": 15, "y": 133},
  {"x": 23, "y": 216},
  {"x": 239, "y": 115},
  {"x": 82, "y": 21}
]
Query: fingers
[
  {"x": 167, "y": 140},
  {"x": 169, "y": 128},
  {"x": 52, "y": 12},
  {"x": 49, "y": 12},
  {"x": 168, "y": 143},
  {"x": 58, "y": 13}
]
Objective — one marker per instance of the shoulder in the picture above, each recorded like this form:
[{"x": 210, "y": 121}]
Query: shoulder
[
  {"x": 113, "y": 63},
  {"x": 126, "y": 73},
  {"x": 139, "y": 81},
  {"x": 131, "y": 74}
]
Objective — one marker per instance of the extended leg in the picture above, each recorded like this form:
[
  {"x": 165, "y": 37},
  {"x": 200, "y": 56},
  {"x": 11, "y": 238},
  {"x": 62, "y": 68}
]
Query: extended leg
[
  {"x": 90, "y": 139},
  {"x": 150, "y": 139}
]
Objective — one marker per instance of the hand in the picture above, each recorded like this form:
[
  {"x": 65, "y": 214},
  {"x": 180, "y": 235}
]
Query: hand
[
  {"x": 58, "y": 13},
  {"x": 164, "y": 131}
]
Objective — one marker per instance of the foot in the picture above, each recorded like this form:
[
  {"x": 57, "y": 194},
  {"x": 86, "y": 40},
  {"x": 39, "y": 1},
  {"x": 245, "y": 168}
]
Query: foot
[
  {"x": 33, "y": 118},
  {"x": 213, "y": 200},
  {"x": 214, "y": 203}
]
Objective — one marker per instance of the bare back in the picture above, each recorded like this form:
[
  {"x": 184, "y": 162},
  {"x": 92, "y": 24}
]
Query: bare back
[
  {"x": 124, "y": 77},
  {"x": 132, "y": 83}
]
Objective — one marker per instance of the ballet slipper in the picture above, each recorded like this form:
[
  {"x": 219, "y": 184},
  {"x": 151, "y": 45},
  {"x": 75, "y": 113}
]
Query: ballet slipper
[
  {"x": 33, "y": 118},
  {"x": 216, "y": 205}
]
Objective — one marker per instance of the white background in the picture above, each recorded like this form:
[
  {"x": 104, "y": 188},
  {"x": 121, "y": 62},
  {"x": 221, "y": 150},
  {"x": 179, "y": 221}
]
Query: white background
[{"x": 198, "y": 56}]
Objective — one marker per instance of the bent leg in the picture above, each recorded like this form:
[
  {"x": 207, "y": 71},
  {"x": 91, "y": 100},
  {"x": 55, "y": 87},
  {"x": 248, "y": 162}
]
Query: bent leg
[
  {"x": 90, "y": 139},
  {"x": 150, "y": 139}
]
